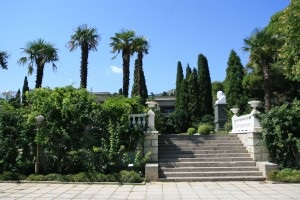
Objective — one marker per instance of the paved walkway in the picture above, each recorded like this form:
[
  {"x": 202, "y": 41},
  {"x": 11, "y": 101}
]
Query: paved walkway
[{"x": 156, "y": 191}]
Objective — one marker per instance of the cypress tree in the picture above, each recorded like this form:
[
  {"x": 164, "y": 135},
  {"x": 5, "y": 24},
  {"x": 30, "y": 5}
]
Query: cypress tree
[
  {"x": 205, "y": 90},
  {"x": 233, "y": 84},
  {"x": 135, "y": 87},
  {"x": 188, "y": 71},
  {"x": 139, "y": 87},
  {"x": 179, "y": 78},
  {"x": 192, "y": 92},
  {"x": 24, "y": 90}
]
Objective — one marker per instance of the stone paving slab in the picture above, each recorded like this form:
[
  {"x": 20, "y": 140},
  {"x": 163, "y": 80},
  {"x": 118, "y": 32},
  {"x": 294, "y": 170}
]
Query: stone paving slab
[{"x": 153, "y": 190}]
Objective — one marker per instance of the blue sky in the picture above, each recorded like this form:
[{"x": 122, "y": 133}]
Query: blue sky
[{"x": 178, "y": 30}]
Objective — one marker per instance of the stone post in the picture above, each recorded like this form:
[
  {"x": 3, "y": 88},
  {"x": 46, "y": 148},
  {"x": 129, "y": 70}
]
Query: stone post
[{"x": 151, "y": 145}]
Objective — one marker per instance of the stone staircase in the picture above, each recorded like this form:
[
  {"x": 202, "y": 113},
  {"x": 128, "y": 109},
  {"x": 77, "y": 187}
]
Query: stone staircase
[{"x": 205, "y": 158}]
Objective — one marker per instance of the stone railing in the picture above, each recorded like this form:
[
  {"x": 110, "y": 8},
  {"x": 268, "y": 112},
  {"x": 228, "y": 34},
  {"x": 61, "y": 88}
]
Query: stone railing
[
  {"x": 138, "y": 120},
  {"x": 246, "y": 123},
  {"x": 248, "y": 129}
]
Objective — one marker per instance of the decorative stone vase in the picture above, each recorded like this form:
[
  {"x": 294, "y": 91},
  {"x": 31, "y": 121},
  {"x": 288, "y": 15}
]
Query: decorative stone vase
[
  {"x": 151, "y": 104},
  {"x": 254, "y": 105},
  {"x": 234, "y": 110}
]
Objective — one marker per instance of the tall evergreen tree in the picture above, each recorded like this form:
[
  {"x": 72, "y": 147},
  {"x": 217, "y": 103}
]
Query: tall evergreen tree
[
  {"x": 184, "y": 96},
  {"x": 141, "y": 46},
  {"x": 193, "y": 95},
  {"x": 179, "y": 78},
  {"x": 24, "y": 90},
  {"x": 139, "y": 87},
  {"x": 204, "y": 81},
  {"x": 188, "y": 71},
  {"x": 233, "y": 84}
]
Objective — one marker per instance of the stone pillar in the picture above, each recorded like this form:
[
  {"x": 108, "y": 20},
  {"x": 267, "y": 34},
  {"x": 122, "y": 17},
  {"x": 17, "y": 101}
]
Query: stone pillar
[
  {"x": 151, "y": 144},
  {"x": 220, "y": 116},
  {"x": 254, "y": 145}
]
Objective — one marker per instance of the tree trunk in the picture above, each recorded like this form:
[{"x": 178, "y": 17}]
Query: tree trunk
[
  {"x": 126, "y": 73},
  {"x": 84, "y": 66},
  {"x": 267, "y": 87},
  {"x": 39, "y": 73}
]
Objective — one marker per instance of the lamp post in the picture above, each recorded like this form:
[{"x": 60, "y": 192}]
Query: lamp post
[{"x": 39, "y": 120}]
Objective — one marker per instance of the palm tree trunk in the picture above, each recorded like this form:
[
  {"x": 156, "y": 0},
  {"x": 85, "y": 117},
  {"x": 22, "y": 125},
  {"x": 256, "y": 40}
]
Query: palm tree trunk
[
  {"x": 39, "y": 73},
  {"x": 126, "y": 73},
  {"x": 84, "y": 66},
  {"x": 267, "y": 87}
]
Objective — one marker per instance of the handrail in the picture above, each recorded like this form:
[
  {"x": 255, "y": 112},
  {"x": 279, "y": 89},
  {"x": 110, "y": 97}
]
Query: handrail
[{"x": 246, "y": 123}]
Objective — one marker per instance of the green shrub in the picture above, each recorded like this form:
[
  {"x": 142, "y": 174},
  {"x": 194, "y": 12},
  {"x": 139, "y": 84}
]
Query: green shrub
[
  {"x": 281, "y": 134},
  {"x": 129, "y": 177},
  {"x": 205, "y": 129},
  {"x": 36, "y": 177},
  {"x": 192, "y": 131},
  {"x": 10, "y": 176},
  {"x": 285, "y": 175}
]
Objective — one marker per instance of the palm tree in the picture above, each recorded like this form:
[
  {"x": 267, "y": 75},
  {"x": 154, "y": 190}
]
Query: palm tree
[
  {"x": 3, "y": 59},
  {"x": 123, "y": 42},
  {"x": 141, "y": 46},
  {"x": 39, "y": 53},
  {"x": 87, "y": 38},
  {"x": 263, "y": 50}
]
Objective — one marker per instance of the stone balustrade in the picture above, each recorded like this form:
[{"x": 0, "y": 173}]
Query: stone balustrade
[
  {"x": 138, "y": 120},
  {"x": 248, "y": 129}
]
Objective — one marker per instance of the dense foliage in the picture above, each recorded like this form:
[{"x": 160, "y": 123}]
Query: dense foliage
[
  {"x": 235, "y": 93},
  {"x": 78, "y": 134},
  {"x": 204, "y": 82},
  {"x": 282, "y": 134}
]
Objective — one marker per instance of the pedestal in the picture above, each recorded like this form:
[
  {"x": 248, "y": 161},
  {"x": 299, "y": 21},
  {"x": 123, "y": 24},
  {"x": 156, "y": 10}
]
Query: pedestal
[{"x": 220, "y": 116}]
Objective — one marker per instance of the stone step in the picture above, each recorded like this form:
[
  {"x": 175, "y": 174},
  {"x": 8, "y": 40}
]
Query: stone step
[
  {"x": 204, "y": 155},
  {"x": 164, "y": 152},
  {"x": 201, "y": 144},
  {"x": 217, "y": 159},
  {"x": 211, "y": 179},
  {"x": 206, "y": 169},
  {"x": 210, "y": 174},
  {"x": 205, "y": 158},
  {"x": 209, "y": 164},
  {"x": 193, "y": 137}
]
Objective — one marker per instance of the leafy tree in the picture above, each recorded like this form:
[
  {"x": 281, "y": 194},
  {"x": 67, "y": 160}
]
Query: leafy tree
[
  {"x": 24, "y": 90},
  {"x": 286, "y": 26},
  {"x": 3, "y": 59},
  {"x": 262, "y": 47},
  {"x": 141, "y": 45},
  {"x": 233, "y": 84},
  {"x": 123, "y": 42},
  {"x": 281, "y": 134},
  {"x": 205, "y": 90},
  {"x": 39, "y": 53},
  {"x": 16, "y": 140},
  {"x": 71, "y": 127},
  {"x": 87, "y": 39},
  {"x": 179, "y": 78}
]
